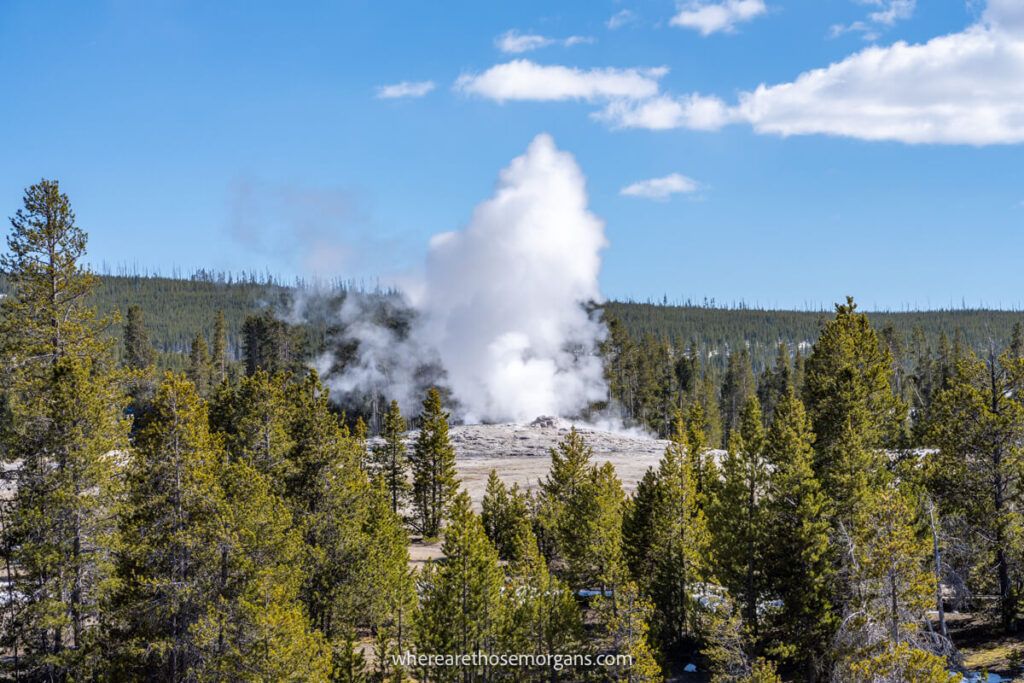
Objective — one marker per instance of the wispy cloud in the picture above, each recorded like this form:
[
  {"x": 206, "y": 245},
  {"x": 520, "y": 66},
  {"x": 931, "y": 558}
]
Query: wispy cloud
[
  {"x": 714, "y": 17},
  {"x": 525, "y": 80},
  {"x": 664, "y": 112},
  {"x": 513, "y": 42},
  {"x": 620, "y": 19},
  {"x": 661, "y": 188},
  {"x": 579, "y": 40},
  {"x": 405, "y": 89},
  {"x": 885, "y": 14}
]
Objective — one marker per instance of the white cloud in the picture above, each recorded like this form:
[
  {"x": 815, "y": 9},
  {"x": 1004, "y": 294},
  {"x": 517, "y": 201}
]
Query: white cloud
[
  {"x": 1009, "y": 14},
  {"x": 888, "y": 12},
  {"x": 893, "y": 11},
  {"x": 664, "y": 112},
  {"x": 405, "y": 89},
  {"x": 514, "y": 42},
  {"x": 962, "y": 88},
  {"x": 620, "y": 19},
  {"x": 661, "y": 188},
  {"x": 712, "y": 17},
  {"x": 579, "y": 40},
  {"x": 525, "y": 80}
]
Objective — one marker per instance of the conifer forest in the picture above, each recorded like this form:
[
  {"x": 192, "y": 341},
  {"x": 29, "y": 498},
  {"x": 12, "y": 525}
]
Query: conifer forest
[{"x": 185, "y": 498}]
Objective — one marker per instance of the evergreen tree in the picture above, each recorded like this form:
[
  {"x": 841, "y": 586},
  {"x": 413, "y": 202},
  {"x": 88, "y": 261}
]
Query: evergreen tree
[
  {"x": 900, "y": 663},
  {"x": 737, "y": 386},
  {"x": 199, "y": 370},
  {"x": 595, "y": 554},
  {"x": 541, "y": 614},
  {"x": 692, "y": 436},
  {"x": 63, "y": 422},
  {"x": 170, "y": 565},
  {"x": 566, "y": 479},
  {"x": 774, "y": 382},
  {"x": 254, "y": 418},
  {"x": 680, "y": 543},
  {"x": 799, "y": 566},
  {"x": 460, "y": 604},
  {"x": 711, "y": 416},
  {"x": 799, "y": 371},
  {"x": 138, "y": 352},
  {"x": 623, "y": 618},
  {"x": 728, "y": 648},
  {"x": 852, "y": 407},
  {"x": 319, "y": 444},
  {"x": 889, "y": 589},
  {"x": 386, "y": 581},
  {"x": 390, "y": 462},
  {"x": 505, "y": 514},
  {"x": 356, "y": 573},
  {"x": 433, "y": 467},
  {"x": 977, "y": 423},
  {"x": 270, "y": 345},
  {"x": 255, "y": 628},
  {"x": 219, "y": 357},
  {"x": 637, "y": 526},
  {"x": 738, "y": 518}
]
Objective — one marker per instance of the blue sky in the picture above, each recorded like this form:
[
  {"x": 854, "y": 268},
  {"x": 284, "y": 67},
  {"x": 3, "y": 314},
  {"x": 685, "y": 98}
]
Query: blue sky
[{"x": 257, "y": 136}]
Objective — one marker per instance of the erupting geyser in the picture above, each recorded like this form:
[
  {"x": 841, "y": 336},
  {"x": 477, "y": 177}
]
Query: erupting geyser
[{"x": 501, "y": 304}]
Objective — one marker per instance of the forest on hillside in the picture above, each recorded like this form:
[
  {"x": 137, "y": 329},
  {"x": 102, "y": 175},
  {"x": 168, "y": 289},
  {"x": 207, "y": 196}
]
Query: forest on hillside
[
  {"x": 232, "y": 522},
  {"x": 176, "y": 308}
]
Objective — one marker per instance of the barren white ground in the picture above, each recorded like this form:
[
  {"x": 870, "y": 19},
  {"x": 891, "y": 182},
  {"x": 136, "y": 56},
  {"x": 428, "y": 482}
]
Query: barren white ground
[{"x": 521, "y": 454}]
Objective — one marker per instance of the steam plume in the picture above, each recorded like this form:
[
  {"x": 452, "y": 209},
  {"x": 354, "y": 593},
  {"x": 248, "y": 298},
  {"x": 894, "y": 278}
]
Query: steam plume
[{"x": 501, "y": 306}]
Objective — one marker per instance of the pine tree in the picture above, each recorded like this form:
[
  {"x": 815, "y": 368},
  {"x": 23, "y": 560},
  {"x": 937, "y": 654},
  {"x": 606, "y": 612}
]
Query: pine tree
[
  {"x": 680, "y": 543},
  {"x": 737, "y": 386},
  {"x": 623, "y": 618},
  {"x": 902, "y": 663},
  {"x": 219, "y": 357},
  {"x": 540, "y": 614},
  {"x": 349, "y": 662},
  {"x": 256, "y": 629},
  {"x": 356, "y": 574},
  {"x": 595, "y": 555},
  {"x": 460, "y": 605},
  {"x": 170, "y": 524},
  {"x": 692, "y": 437},
  {"x": 433, "y": 466},
  {"x": 63, "y": 422},
  {"x": 738, "y": 519},
  {"x": 568, "y": 475},
  {"x": 774, "y": 382},
  {"x": 728, "y": 648},
  {"x": 889, "y": 588},
  {"x": 798, "y": 564},
  {"x": 977, "y": 422},
  {"x": 254, "y": 418},
  {"x": 711, "y": 417},
  {"x": 138, "y": 352},
  {"x": 390, "y": 462},
  {"x": 637, "y": 525},
  {"x": 270, "y": 345},
  {"x": 852, "y": 407},
  {"x": 505, "y": 513},
  {"x": 386, "y": 581},
  {"x": 319, "y": 444},
  {"x": 199, "y": 365}
]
